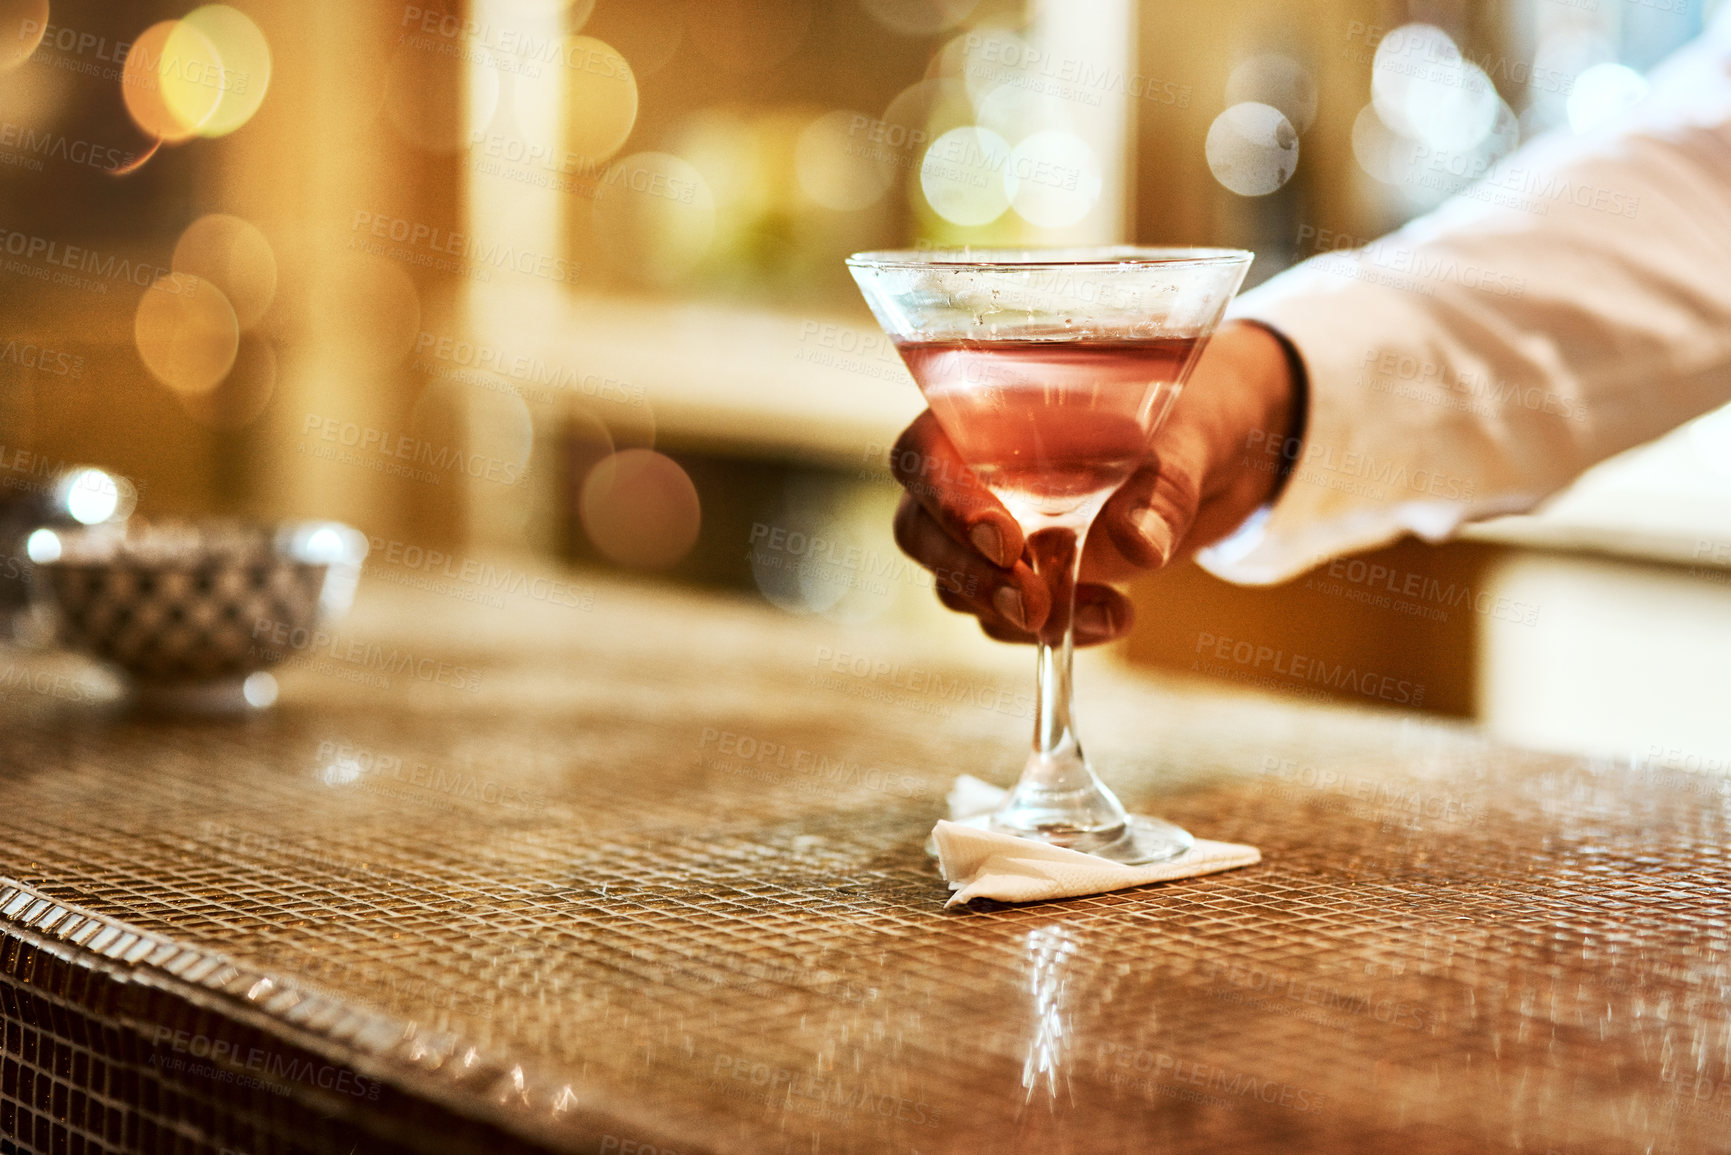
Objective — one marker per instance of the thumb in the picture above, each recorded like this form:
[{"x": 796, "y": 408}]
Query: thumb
[{"x": 1151, "y": 514}]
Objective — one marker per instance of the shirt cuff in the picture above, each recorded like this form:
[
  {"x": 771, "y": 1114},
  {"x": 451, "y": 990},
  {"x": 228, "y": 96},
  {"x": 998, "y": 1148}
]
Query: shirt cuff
[{"x": 1336, "y": 499}]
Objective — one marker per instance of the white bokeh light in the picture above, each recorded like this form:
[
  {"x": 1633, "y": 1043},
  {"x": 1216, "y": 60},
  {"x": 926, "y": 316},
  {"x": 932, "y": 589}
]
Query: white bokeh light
[
  {"x": 92, "y": 497},
  {"x": 1602, "y": 93},
  {"x": 259, "y": 689},
  {"x": 988, "y": 57},
  {"x": 1456, "y": 116},
  {"x": 325, "y": 544},
  {"x": 1408, "y": 57},
  {"x": 1426, "y": 176},
  {"x": 1252, "y": 149},
  {"x": 1425, "y": 90},
  {"x": 1053, "y": 179},
  {"x": 1380, "y": 151},
  {"x": 962, "y": 175},
  {"x": 920, "y": 113},
  {"x": 42, "y": 547}
]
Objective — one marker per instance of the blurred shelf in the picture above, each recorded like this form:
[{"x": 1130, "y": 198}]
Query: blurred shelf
[{"x": 820, "y": 387}]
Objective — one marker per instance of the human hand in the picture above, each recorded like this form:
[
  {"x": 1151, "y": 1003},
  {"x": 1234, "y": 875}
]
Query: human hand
[{"x": 1197, "y": 484}]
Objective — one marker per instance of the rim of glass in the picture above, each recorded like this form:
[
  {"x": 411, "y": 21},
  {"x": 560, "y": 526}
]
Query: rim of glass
[{"x": 1024, "y": 258}]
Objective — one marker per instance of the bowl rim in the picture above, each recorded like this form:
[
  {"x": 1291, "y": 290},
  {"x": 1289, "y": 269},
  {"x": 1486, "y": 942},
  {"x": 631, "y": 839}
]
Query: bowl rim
[
  {"x": 1088, "y": 256},
  {"x": 306, "y": 541}
]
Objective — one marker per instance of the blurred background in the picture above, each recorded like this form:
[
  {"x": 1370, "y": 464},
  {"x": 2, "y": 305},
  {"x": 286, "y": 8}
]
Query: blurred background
[{"x": 561, "y": 280}]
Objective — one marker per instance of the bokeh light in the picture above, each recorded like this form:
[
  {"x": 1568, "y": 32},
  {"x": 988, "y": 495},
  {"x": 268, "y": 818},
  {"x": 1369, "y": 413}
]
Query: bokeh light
[
  {"x": 804, "y": 568},
  {"x": 193, "y": 76},
  {"x": 1380, "y": 151},
  {"x": 186, "y": 333},
  {"x": 640, "y": 509},
  {"x": 425, "y": 97},
  {"x": 654, "y": 214},
  {"x": 1053, "y": 179},
  {"x": 234, "y": 256},
  {"x": 924, "y": 111},
  {"x": 919, "y": 17},
  {"x": 748, "y": 35},
  {"x": 245, "y": 56},
  {"x": 962, "y": 176},
  {"x": 92, "y": 496},
  {"x": 1278, "y": 81},
  {"x": 1413, "y": 57},
  {"x": 241, "y": 396},
  {"x": 1252, "y": 149},
  {"x": 837, "y": 164},
  {"x": 22, "y": 23},
  {"x": 789, "y": 577},
  {"x": 1457, "y": 117},
  {"x": 1426, "y": 176},
  {"x": 985, "y": 58},
  {"x": 583, "y": 110},
  {"x": 260, "y": 690},
  {"x": 1425, "y": 90},
  {"x": 43, "y": 547},
  {"x": 1563, "y": 54},
  {"x": 1602, "y": 93},
  {"x": 1503, "y": 138},
  {"x": 172, "y": 80}
]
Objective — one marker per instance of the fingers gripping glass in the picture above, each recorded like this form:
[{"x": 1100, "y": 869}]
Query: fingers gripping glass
[{"x": 1050, "y": 371}]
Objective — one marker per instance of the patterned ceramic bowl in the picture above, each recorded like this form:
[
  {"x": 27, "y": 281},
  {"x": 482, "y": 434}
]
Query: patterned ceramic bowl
[{"x": 182, "y": 606}]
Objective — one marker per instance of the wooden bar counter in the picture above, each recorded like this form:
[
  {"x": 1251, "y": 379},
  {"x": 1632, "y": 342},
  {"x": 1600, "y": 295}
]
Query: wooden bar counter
[{"x": 641, "y": 871}]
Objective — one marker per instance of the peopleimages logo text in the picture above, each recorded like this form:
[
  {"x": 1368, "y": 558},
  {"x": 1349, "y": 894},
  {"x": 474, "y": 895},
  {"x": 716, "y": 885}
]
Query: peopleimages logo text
[{"x": 404, "y": 447}]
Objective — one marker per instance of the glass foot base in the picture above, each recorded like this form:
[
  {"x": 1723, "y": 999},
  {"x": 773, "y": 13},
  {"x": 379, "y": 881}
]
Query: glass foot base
[{"x": 1142, "y": 841}]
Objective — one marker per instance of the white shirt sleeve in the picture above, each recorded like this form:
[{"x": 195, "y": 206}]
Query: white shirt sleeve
[{"x": 1573, "y": 303}]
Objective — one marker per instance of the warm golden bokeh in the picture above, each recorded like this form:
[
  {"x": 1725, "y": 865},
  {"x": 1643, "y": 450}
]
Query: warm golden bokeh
[
  {"x": 187, "y": 333},
  {"x": 640, "y": 509},
  {"x": 231, "y": 254},
  {"x": 23, "y": 23},
  {"x": 241, "y": 396},
  {"x": 245, "y": 56},
  {"x": 173, "y": 80},
  {"x": 582, "y": 107}
]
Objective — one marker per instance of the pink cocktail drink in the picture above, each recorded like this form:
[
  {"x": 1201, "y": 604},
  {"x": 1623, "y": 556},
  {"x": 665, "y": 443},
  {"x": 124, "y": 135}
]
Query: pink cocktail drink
[{"x": 1051, "y": 426}]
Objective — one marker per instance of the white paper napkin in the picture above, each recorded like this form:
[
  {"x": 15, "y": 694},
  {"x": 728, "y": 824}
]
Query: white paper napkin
[{"x": 984, "y": 864}]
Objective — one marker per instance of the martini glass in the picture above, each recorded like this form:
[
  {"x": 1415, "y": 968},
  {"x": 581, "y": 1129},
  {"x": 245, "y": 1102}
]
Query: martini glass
[{"x": 1050, "y": 371}]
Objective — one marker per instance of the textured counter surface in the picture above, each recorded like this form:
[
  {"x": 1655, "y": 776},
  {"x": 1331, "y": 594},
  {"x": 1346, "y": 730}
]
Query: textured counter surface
[{"x": 649, "y": 876}]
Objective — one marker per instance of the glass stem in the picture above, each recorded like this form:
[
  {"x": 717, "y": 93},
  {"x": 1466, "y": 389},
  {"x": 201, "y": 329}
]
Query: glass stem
[
  {"x": 1058, "y": 797},
  {"x": 1058, "y": 560}
]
